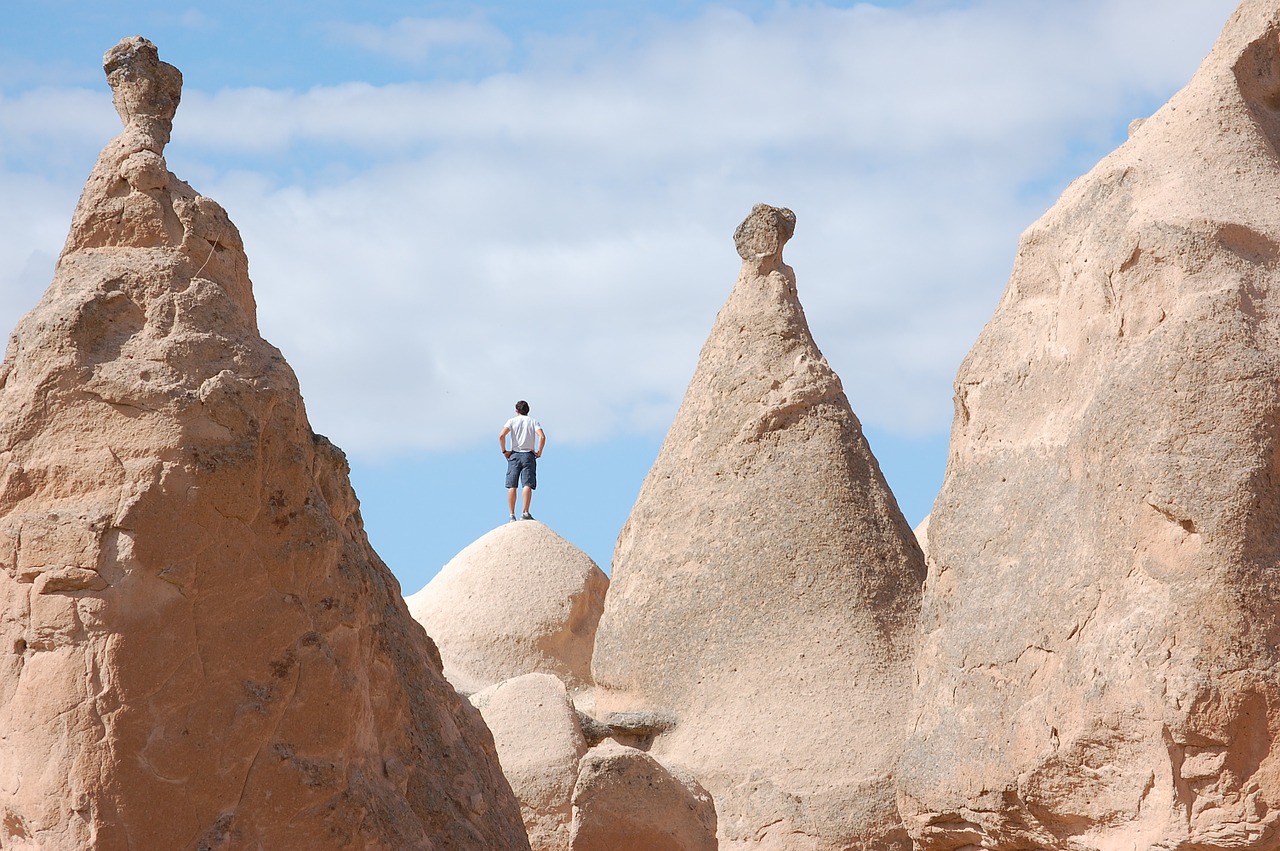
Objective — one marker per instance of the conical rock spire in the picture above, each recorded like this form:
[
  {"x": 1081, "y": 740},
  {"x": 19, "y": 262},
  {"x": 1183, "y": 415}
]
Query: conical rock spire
[
  {"x": 200, "y": 649},
  {"x": 765, "y": 587}
]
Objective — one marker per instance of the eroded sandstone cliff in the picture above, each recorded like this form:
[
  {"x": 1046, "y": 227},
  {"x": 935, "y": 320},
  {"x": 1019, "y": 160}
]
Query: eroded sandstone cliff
[{"x": 1100, "y": 667}]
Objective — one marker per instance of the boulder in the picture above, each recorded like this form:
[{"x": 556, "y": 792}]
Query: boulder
[
  {"x": 539, "y": 740},
  {"x": 766, "y": 587},
  {"x": 519, "y": 600},
  {"x": 626, "y": 800},
  {"x": 1099, "y": 661},
  {"x": 200, "y": 648}
]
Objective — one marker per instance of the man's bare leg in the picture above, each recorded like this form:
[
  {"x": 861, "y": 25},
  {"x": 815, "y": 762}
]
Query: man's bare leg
[
  {"x": 528, "y": 497},
  {"x": 511, "y": 501}
]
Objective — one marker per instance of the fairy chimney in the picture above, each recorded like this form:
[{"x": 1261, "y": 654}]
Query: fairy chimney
[
  {"x": 199, "y": 647},
  {"x": 765, "y": 587}
]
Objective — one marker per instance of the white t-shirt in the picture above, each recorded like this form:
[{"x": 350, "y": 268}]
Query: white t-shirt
[{"x": 524, "y": 432}]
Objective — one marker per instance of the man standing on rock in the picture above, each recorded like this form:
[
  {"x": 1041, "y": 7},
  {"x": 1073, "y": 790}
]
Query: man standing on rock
[{"x": 522, "y": 457}]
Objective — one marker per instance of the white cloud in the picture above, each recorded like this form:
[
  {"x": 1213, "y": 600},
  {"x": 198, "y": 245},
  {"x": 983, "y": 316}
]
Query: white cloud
[
  {"x": 417, "y": 40},
  {"x": 33, "y": 226},
  {"x": 51, "y": 128},
  {"x": 867, "y": 79},
  {"x": 425, "y": 253}
]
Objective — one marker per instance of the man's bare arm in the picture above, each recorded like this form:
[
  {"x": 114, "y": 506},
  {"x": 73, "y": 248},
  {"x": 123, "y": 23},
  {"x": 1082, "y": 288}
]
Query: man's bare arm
[
  {"x": 542, "y": 442},
  {"x": 502, "y": 440}
]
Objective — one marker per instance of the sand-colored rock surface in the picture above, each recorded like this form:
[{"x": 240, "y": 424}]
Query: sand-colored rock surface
[
  {"x": 200, "y": 649},
  {"x": 766, "y": 587},
  {"x": 539, "y": 740},
  {"x": 1100, "y": 666},
  {"x": 518, "y": 600},
  {"x": 626, "y": 800},
  {"x": 922, "y": 535}
]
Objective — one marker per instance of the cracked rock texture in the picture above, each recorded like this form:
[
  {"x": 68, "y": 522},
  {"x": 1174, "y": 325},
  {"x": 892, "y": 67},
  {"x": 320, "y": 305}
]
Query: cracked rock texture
[
  {"x": 198, "y": 648},
  {"x": 1099, "y": 667},
  {"x": 766, "y": 588},
  {"x": 520, "y": 599}
]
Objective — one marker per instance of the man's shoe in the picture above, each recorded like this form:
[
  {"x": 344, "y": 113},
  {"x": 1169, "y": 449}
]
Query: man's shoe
[
  {"x": 513, "y": 518},
  {"x": 525, "y": 516}
]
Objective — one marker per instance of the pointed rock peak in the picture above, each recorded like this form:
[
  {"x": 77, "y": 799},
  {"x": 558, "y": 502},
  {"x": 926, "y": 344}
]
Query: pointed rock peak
[
  {"x": 145, "y": 91},
  {"x": 765, "y": 499},
  {"x": 200, "y": 647},
  {"x": 132, "y": 201},
  {"x": 1254, "y": 24},
  {"x": 760, "y": 368},
  {"x": 761, "y": 236}
]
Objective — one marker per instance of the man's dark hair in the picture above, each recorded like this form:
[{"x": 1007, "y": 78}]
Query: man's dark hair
[{"x": 522, "y": 407}]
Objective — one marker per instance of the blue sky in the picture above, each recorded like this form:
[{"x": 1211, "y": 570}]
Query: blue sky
[{"x": 450, "y": 206}]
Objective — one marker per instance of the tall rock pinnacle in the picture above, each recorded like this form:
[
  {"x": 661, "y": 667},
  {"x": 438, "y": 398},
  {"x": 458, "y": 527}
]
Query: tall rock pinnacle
[
  {"x": 766, "y": 587},
  {"x": 198, "y": 647},
  {"x": 1099, "y": 667}
]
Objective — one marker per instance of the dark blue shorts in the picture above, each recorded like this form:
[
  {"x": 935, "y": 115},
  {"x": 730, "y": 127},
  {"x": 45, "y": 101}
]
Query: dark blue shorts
[{"x": 522, "y": 465}]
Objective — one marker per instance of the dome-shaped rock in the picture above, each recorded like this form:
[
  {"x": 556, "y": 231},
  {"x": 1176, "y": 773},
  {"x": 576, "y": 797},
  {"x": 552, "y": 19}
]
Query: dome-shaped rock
[{"x": 520, "y": 599}]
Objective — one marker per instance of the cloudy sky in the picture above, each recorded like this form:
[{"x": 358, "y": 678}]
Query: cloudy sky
[{"x": 449, "y": 206}]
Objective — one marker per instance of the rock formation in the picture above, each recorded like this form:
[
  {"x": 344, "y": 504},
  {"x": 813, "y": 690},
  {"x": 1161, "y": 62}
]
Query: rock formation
[
  {"x": 200, "y": 649},
  {"x": 540, "y": 742},
  {"x": 766, "y": 587},
  {"x": 1099, "y": 667},
  {"x": 520, "y": 599},
  {"x": 626, "y": 800},
  {"x": 922, "y": 535}
]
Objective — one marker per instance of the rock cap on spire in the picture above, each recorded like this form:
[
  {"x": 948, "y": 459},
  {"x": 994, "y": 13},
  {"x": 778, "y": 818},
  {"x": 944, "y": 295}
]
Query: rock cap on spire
[
  {"x": 145, "y": 91},
  {"x": 762, "y": 234}
]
